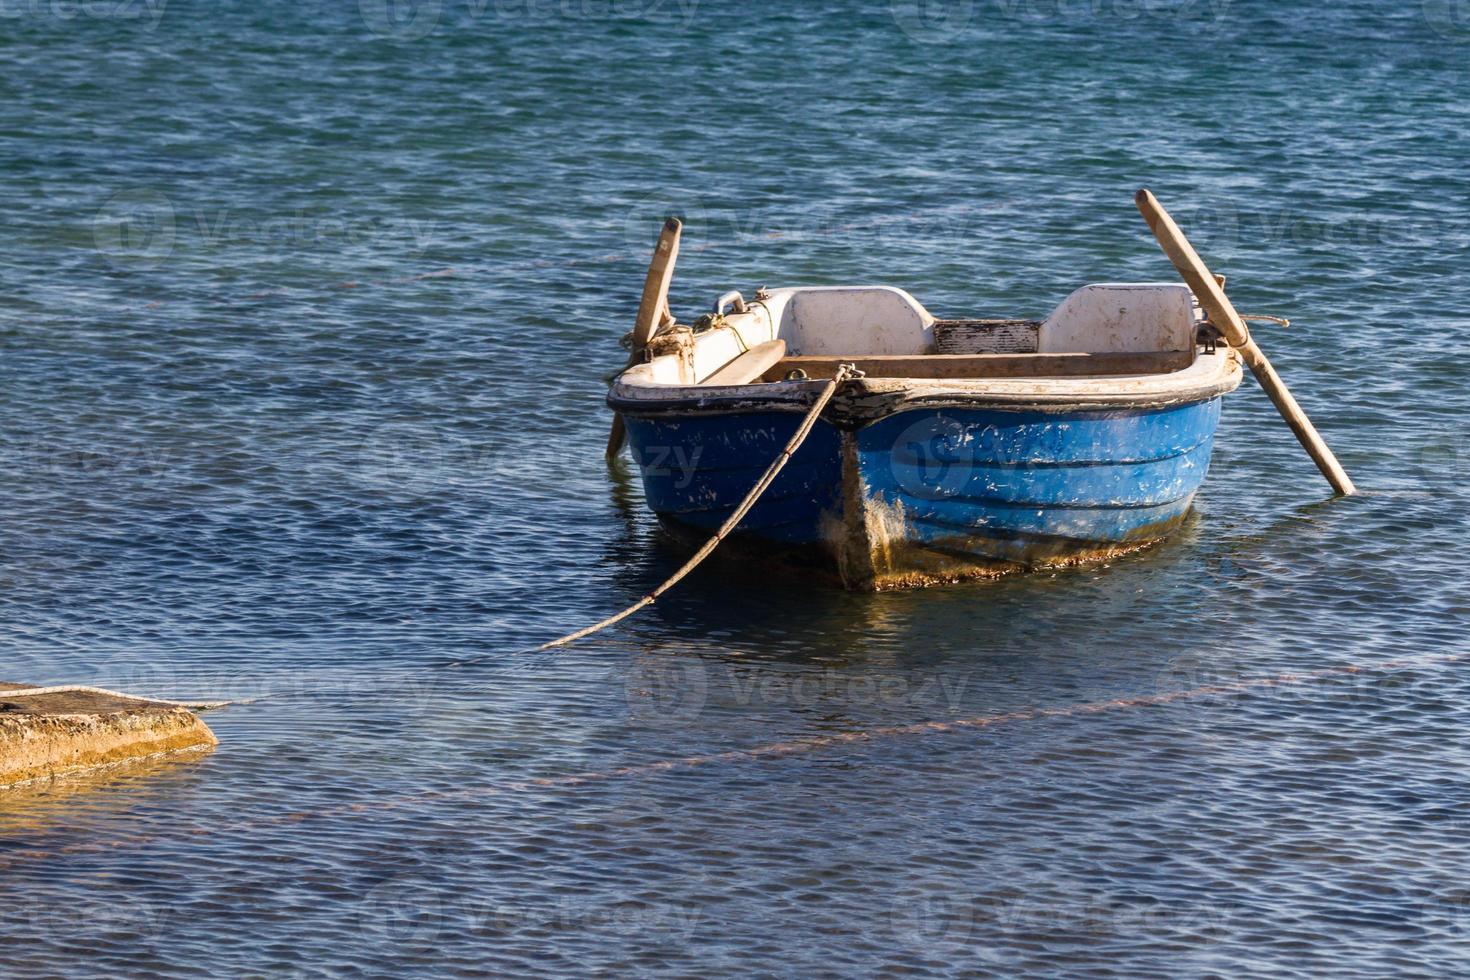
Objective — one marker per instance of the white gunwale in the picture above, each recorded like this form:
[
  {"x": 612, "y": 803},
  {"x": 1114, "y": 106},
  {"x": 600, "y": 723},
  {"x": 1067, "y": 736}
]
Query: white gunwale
[{"x": 1119, "y": 373}]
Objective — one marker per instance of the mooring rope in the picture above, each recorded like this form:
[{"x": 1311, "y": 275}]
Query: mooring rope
[
  {"x": 30, "y": 692},
  {"x": 845, "y": 372},
  {"x": 1243, "y": 687}
]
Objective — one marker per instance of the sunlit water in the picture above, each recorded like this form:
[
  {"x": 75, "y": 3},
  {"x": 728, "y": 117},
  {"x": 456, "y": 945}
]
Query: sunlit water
[{"x": 308, "y": 314}]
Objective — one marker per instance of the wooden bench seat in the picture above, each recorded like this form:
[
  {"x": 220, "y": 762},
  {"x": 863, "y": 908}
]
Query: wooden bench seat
[{"x": 751, "y": 365}]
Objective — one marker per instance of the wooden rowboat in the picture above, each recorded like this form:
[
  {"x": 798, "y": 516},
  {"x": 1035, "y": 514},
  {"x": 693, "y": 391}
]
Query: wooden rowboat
[{"x": 967, "y": 448}]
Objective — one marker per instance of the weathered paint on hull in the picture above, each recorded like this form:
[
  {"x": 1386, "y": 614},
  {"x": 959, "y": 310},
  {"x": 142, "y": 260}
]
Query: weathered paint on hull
[
  {"x": 937, "y": 495},
  {"x": 697, "y": 470}
]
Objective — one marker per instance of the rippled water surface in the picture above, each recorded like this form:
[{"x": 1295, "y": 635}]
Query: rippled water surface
[{"x": 308, "y": 314}]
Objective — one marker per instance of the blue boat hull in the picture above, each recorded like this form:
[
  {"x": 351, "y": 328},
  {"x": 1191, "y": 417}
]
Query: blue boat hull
[{"x": 931, "y": 495}]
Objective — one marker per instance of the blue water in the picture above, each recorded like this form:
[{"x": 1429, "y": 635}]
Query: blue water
[{"x": 308, "y": 311}]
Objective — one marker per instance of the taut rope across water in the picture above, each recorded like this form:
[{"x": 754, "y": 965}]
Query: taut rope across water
[
  {"x": 845, "y": 372},
  {"x": 772, "y": 750}
]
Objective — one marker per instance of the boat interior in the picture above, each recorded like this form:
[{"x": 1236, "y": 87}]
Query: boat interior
[{"x": 804, "y": 333}]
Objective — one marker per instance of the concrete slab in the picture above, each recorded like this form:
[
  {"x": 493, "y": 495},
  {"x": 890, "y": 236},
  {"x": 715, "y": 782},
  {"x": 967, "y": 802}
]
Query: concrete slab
[{"x": 52, "y": 734}]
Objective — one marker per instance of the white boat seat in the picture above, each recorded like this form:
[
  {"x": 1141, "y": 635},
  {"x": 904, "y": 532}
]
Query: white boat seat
[{"x": 1109, "y": 318}]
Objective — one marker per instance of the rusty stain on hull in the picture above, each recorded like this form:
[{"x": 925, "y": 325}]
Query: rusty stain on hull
[
  {"x": 906, "y": 565},
  {"x": 856, "y": 537},
  {"x": 923, "y": 565}
]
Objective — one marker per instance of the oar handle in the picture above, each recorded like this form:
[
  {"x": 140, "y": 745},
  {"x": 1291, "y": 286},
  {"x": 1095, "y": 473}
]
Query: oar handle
[
  {"x": 655, "y": 300},
  {"x": 1211, "y": 295},
  {"x": 653, "y": 311},
  {"x": 1207, "y": 289}
]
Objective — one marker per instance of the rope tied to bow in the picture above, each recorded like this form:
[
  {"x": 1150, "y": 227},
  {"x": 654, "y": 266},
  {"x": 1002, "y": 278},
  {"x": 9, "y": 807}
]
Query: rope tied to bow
[{"x": 845, "y": 372}]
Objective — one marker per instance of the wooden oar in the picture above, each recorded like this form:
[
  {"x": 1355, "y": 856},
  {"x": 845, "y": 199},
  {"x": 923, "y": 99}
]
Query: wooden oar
[
  {"x": 653, "y": 308},
  {"x": 1211, "y": 295}
]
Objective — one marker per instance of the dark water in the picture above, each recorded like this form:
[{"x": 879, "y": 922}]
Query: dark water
[{"x": 308, "y": 312}]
